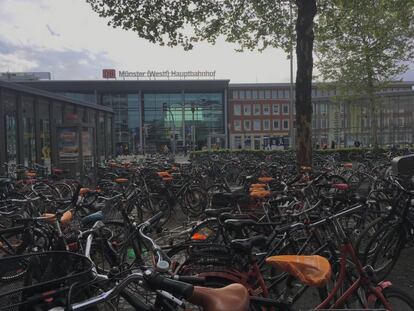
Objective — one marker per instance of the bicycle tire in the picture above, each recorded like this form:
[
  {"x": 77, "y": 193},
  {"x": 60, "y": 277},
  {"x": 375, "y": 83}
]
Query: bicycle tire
[
  {"x": 388, "y": 238},
  {"x": 397, "y": 298}
]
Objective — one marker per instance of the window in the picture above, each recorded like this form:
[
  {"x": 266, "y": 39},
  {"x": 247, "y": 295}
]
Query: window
[
  {"x": 285, "y": 109},
  {"x": 246, "y": 125},
  {"x": 274, "y": 94},
  {"x": 261, "y": 94},
  {"x": 276, "y": 109},
  {"x": 257, "y": 109},
  {"x": 248, "y": 94},
  {"x": 268, "y": 94},
  {"x": 285, "y": 124},
  {"x": 247, "y": 142},
  {"x": 276, "y": 125},
  {"x": 281, "y": 94},
  {"x": 323, "y": 108},
  {"x": 323, "y": 123},
  {"x": 254, "y": 94},
  {"x": 237, "y": 142},
  {"x": 247, "y": 110},
  {"x": 241, "y": 94},
  {"x": 237, "y": 125},
  {"x": 266, "y": 125},
  {"x": 235, "y": 94},
  {"x": 266, "y": 109},
  {"x": 237, "y": 110},
  {"x": 256, "y": 125}
]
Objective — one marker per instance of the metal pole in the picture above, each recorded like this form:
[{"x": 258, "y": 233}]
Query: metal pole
[
  {"x": 193, "y": 127},
  {"x": 172, "y": 117}
]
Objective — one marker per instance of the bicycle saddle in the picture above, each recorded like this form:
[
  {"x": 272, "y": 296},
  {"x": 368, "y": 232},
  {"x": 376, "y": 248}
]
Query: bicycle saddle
[
  {"x": 236, "y": 224},
  {"x": 310, "y": 270},
  {"x": 246, "y": 245},
  {"x": 215, "y": 212},
  {"x": 237, "y": 189},
  {"x": 233, "y": 297},
  {"x": 229, "y": 215},
  {"x": 4, "y": 181},
  {"x": 236, "y": 197}
]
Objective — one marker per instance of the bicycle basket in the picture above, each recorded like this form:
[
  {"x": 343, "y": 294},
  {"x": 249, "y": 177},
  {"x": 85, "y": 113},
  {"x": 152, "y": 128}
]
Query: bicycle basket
[{"x": 25, "y": 279}]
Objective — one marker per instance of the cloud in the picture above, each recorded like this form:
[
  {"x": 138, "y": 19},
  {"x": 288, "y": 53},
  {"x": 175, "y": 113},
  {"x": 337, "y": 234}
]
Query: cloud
[
  {"x": 64, "y": 64},
  {"x": 38, "y": 30}
]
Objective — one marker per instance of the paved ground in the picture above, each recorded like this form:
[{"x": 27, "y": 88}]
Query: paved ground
[{"x": 403, "y": 273}]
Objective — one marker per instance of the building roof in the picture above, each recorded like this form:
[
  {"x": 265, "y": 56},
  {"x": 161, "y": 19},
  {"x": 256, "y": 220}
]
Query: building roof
[
  {"x": 287, "y": 85},
  {"x": 128, "y": 85},
  {"x": 35, "y": 91}
]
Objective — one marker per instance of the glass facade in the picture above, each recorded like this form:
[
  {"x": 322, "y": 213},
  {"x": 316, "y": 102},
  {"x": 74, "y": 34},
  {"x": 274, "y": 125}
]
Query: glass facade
[
  {"x": 50, "y": 131},
  {"x": 9, "y": 100},
  {"x": 44, "y": 127},
  {"x": 126, "y": 121},
  {"x": 29, "y": 145},
  {"x": 192, "y": 117}
]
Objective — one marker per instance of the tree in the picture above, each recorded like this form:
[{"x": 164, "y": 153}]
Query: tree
[
  {"x": 364, "y": 45},
  {"x": 253, "y": 24}
]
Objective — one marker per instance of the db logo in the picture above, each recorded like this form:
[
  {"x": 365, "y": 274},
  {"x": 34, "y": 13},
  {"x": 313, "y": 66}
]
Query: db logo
[{"x": 109, "y": 73}]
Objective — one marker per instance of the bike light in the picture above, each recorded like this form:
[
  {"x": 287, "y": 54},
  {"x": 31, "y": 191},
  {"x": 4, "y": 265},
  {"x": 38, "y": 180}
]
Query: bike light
[{"x": 199, "y": 237}]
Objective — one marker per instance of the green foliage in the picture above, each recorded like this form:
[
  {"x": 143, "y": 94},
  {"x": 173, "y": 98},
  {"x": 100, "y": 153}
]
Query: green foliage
[
  {"x": 253, "y": 24},
  {"x": 364, "y": 45}
]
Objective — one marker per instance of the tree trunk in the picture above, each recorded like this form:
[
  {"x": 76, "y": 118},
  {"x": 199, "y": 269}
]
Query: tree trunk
[{"x": 304, "y": 48}]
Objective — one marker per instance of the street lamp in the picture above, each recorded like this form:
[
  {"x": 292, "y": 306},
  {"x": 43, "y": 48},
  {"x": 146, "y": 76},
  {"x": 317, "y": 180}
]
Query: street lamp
[{"x": 165, "y": 109}]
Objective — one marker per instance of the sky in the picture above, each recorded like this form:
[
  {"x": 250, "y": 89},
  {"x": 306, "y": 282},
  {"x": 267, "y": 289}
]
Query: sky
[{"x": 68, "y": 39}]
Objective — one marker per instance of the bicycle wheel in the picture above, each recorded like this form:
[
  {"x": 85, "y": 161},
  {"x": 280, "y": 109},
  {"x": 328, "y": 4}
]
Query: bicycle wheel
[
  {"x": 383, "y": 251},
  {"x": 398, "y": 299}
]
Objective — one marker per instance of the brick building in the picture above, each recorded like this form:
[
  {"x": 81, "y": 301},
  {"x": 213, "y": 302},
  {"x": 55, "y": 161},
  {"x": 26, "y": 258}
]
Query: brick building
[{"x": 260, "y": 116}]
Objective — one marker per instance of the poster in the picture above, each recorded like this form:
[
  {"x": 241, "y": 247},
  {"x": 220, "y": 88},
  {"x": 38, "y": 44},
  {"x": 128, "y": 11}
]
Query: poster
[
  {"x": 68, "y": 142},
  {"x": 87, "y": 142}
]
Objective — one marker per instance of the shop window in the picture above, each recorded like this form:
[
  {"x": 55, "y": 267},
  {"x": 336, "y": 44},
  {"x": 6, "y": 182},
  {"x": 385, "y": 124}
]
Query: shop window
[{"x": 237, "y": 142}]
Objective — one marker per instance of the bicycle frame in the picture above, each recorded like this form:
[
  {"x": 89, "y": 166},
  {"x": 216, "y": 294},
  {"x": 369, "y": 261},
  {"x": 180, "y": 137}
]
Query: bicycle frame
[{"x": 362, "y": 281}]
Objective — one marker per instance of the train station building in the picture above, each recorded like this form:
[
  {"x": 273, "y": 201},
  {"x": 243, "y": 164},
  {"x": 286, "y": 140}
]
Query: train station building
[{"x": 52, "y": 130}]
